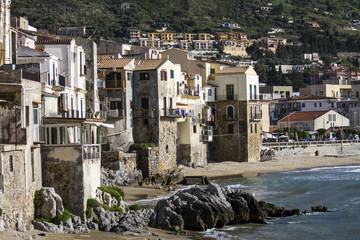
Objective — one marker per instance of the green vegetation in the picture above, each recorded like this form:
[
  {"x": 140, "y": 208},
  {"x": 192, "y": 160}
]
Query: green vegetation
[
  {"x": 115, "y": 192},
  {"x": 118, "y": 209},
  {"x": 135, "y": 207},
  {"x": 92, "y": 203},
  {"x": 42, "y": 220},
  {"x": 62, "y": 218},
  {"x": 38, "y": 199}
]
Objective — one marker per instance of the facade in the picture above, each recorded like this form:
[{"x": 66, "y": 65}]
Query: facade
[
  {"x": 284, "y": 91},
  {"x": 155, "y": 110},
  {"x": 237, "y": 116},
  {"x": 5, "y": 35},
  {"x": 327, "y": 90},
  {"x": 72, "y": 31},
  {"x": 312, "y": 121},
  {"x": 20, "y": 137}
]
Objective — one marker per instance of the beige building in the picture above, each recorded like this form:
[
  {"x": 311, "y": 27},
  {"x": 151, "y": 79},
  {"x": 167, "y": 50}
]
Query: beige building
[
  {"x": 312, "y": 121},
  {"x": 327, "y": 90},
  {"x": 265, "y": 116},
  {"x": 284, "y": 91}
]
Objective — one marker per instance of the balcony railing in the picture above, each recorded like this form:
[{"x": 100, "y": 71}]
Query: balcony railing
[
  {"x": 189, "y": 92},
  {"x": 255, "y": 116},
  {"x": 171, "y": 112},
  {"x": 115, "y": 113},
  {"x": 91, "y": 151}
]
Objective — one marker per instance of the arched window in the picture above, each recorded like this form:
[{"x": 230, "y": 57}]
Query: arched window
[{"x": 230, "y": 112}]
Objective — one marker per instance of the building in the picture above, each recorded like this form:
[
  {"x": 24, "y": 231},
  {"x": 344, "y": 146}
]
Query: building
[
  {"x": 116, "y": 94},
  {"x": 20, "y": 138},
  {"x": 133, "y": 34},
  {"x": 72, "y": 31},
  {"x": 6, "y": 50},
  {"x": 237, "y": 116},
  {"x": 155, "y": 112},
  {"x": 327, "y": 90},
  {"x": 284, "y": 91},
  {"x": 312, "y": 121}
]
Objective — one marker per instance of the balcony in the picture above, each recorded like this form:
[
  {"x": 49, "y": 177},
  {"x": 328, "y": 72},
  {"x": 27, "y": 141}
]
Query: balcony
[
  {"x": 91, "y": 151},
  {"x": 255, "y": 117},
  {"x": 207, "y": 134},
  {"x": 188, "y": 92},
  {"x": 171, "y": 112},
  {"x": 115, "y": 113},
  {"x": 227, "y": 97}
]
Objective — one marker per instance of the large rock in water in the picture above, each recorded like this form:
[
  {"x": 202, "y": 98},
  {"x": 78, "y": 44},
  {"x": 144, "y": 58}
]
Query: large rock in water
[
  {"x": 52, "y": 204},
  {"x": 200, "y": 209}
]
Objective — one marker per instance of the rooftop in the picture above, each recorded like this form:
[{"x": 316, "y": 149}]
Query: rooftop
[
  {"x": 303, "y": 116},
  {"x": 114, "y": 62},
  {"x": 148, "y": 64},
  {"x": 233, "y": 70}
]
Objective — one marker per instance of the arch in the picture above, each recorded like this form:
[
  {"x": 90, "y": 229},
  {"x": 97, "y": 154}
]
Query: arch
[{"x": 230, "y": 112}]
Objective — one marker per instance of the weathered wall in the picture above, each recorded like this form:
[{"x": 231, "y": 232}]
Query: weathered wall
[
  {"x": 336, "y": 149},
  {"x": 62, "y": 169},
  {"x": 167, "y": 145},
  {"x": 16, "y": 199},
  {"x": 148, "y": 161},
  {"x": 119, "y": 161}
]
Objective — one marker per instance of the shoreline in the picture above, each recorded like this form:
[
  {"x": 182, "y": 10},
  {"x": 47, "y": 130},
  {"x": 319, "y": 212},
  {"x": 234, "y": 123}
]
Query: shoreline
[{"x": 214, "y": 171}]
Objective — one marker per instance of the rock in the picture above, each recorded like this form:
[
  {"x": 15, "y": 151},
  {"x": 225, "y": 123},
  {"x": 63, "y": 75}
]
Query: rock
[
  {"x": 319, "y": 208},
  {"x": 20, "y": 226},
  {"x": 51, "y": 206},
  {"x": 93, "y": 226},
  {"x": 76, "y": 220},
  {"x": 274, "y": 211},
  {"x": 107, "y": 198},
  {"x": 2, "y": 225},
  {"x": 98, "y": 196},
  {"x": 48, "y": 227},
  {"x": 135, "y": 221},
  {"x": 69, "y": 224},
  {"x": 107, "y": 220},
  {"x": 81, "y": 228}
]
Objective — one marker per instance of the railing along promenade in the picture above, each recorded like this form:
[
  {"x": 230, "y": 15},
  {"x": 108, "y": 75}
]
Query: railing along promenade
[{"x": 308, "y": 143}]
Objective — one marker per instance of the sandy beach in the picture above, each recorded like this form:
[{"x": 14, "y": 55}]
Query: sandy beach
[{"x": 212, "y": 171}]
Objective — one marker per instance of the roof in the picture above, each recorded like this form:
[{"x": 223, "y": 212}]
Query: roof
[
  {"x": 54, "y": 41},
  {"x": 233, "y": 70},
  {"x": 24, "y": 51},
  {"x": 114, "y": 62},
  {"x": 303, "y": 116},
  {"x": 148, "y": 64}
]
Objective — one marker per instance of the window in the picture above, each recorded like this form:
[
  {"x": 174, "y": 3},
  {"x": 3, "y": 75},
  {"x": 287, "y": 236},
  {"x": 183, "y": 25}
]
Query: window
[
  {"x": 53, "y": 135},
  {"x": 230, "y": 112},
  {"x": 334, "y": 117},
  {"x": 113, "y": 80},
  {"x": 171, "y": 74},
  {"x": 255, "y": 128},
  {"x": 303, "y": 105},
  {"x": 209, "y": 92},
  {"x": 129, "y": 76},
  {"x": 314, "y": 104},
  {"x": 144, "y": 76},
  {"x": 146, "y": 121},
  {"x": 163, "y": 76},
  {"x": 115, "y": 109},
  {"x": 178, "y": 88},
  {"x": 231, "y": 128},
  {"x": 62, "y": 135},
  {"x": 320, "y": 104},
  {"x": 250, "y": 92},
  {"x": 357, "y": 94},
  {"x": 332, "y": 104},
  {"x": 229, "y": 92},
  {"x": 36, "y": 114},
  {"x": 11, "y": 163},
  {"x": 81, "y": 66},
  {"x": 251, "y": 128},
  {"x": 194, "y": 129},
  {"x": 254, "y": 92},
  {"x": 145, "y": 103},
  {"x": 212, "y": 71},
  {"x": 27, "y": 110},
  {"x": 321, "y": 93},
  {"x": 32, "y": 165}
]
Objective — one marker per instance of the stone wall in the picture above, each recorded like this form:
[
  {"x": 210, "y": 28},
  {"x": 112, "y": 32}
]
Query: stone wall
[
  {"x": 148, "y": 160},
  {"x": 119, "y": 161},
  {"x": 167, "y": 145},
  {"x": 183, "y": 154},
  {"x": 317, "y": 150},
  {"x": 16, "y": 199},
  {"x": 62, "y": 169}
]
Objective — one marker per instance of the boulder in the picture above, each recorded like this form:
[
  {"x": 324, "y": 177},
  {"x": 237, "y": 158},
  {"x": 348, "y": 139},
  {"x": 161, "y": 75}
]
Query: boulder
[
  {"x": 48, "y": 227},
  {"x": 134, "y": 221},
  {"x": 52, "y": 204},
  {"x": 2, "y": 225}
]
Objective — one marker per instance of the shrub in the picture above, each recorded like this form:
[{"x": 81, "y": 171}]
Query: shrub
[
  {"x": 117, "y": 208},
  {"x": 135, "y": 207},
  {"x": 38, "y": 199},
  {"x": 91, "y": 203},
  {"x": 96, "y": 220},
  {"x": 62, "y": 218},
  {"x": 115, "y": 192},
  {"x": 106, "y": 207},
  {"x": 127, "y": 208},
  {"x": 89, "y": 212}
]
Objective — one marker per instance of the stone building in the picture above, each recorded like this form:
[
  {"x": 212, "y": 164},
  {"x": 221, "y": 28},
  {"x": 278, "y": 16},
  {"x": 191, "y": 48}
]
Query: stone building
[
  {"x": 20, "y": 137},
  {"x": 237, "y": 116},
  {"x": 154, "y": 110}
]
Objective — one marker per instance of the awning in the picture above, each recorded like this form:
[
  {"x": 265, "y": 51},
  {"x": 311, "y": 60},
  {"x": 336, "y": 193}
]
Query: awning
[{"x": 108, "y": 125}]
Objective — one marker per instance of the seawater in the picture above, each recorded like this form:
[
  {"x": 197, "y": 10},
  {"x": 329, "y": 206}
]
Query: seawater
[{"x": 338, "y": 188}]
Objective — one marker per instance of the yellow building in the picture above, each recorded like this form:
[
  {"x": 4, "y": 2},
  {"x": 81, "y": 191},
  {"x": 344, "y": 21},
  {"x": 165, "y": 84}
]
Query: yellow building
[
  {"x": 190, "y": 36},
  {"x": 153, "y": 35},
  {"x": 203, "y": 36},
  {"x": 327, "y": 90},
  {"x": 167, "y": 37}
]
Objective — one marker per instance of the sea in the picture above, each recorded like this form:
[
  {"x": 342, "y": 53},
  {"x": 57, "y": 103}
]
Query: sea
[{"x": 338, "y": 188}]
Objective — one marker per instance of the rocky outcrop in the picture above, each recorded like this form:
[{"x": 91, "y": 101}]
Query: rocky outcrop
[
  {"x": 73, "y": 225},
  {"x": 173, "y": 178},
  {"x": 120, "y": 178},
  {"x": 199, "y": 209},
  {"x": 51, "y": 204}
]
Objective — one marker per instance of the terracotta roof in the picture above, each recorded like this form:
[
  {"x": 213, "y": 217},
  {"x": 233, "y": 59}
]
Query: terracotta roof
[
  {"x": 54, "y": 41},
  {"x": 114, "y": 62},
  {"x": 148, "y": 64},
  {"x": 303, "y": 116},
  {"x": 233, "y": 70}
]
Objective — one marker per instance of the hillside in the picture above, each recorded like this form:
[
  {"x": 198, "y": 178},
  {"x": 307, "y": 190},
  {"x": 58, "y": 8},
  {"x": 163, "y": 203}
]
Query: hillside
[{"x": 106, "y": 17}]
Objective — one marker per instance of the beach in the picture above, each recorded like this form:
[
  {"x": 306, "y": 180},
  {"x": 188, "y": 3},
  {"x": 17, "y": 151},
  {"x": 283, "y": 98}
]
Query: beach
[{"x": 212, "y": 171}]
